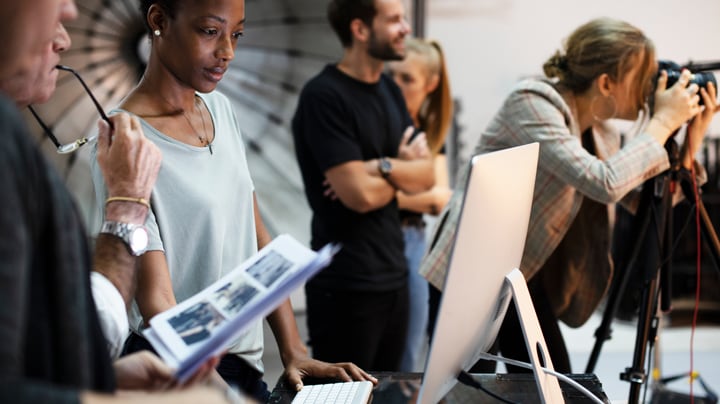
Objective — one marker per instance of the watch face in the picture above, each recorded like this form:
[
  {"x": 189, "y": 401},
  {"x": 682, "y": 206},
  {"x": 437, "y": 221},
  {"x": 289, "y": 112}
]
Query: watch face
[
  {"x": 138, "y": 239},
  {"x": 385, "y": 167}
]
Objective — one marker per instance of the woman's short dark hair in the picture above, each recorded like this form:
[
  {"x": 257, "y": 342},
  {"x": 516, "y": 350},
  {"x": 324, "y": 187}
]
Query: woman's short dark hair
[
  {"x": 604, "y": 45},
  {"x": 340, "y": 14},
  {"x": 170, "y": 8}
]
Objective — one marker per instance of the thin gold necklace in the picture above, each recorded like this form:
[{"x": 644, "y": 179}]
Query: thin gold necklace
[{"x": 204, "y": 139}]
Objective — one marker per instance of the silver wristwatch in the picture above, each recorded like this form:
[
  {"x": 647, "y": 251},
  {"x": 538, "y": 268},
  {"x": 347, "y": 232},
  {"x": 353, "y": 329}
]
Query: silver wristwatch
[{"x": 134, "y": 235}]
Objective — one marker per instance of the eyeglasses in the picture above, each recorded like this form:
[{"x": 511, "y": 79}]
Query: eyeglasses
[{"x": 71, "y": 147}]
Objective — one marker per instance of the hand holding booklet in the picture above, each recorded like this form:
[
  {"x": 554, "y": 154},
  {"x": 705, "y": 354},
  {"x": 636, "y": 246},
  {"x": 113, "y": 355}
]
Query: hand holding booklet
[{"x": 203, "y": 326}]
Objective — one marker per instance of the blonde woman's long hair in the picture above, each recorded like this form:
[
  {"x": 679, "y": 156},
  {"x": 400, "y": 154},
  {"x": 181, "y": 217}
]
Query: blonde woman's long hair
[{"x": 435, "y": 114}]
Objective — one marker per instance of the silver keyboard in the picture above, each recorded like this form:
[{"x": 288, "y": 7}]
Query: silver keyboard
[{"x": 335, "y": 393}]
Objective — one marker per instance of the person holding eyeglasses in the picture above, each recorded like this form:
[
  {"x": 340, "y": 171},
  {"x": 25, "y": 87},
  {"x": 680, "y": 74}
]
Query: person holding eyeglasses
[
  {"x": 51, "y": 344},
  {"x": 111, "y": 280}
]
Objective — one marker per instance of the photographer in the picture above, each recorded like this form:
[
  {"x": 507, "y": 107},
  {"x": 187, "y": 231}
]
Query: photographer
[{"x": 605, "y": 72}]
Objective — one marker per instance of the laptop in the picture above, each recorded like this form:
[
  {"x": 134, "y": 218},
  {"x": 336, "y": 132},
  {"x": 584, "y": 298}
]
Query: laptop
[{"x": 482, "y": 274}]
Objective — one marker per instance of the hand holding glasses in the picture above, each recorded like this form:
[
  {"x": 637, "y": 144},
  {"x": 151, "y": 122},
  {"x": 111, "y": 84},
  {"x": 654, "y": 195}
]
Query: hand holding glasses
[{"x": 71, "y": 147}]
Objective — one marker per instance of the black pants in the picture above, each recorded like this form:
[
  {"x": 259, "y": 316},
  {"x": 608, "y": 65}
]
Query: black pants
[
  {"x": 510, "y": 340},
  {"x": 367, "y": 328},
  {"x": 235, "y": 371}
]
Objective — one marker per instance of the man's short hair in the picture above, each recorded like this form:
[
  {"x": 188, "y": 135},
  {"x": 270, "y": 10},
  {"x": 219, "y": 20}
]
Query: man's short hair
[{"x": 341, "y": 13}]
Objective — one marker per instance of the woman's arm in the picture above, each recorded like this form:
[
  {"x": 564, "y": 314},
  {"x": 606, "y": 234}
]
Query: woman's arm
[
  {"x": 154, "y": 291},
  {"x": 433, "y": 200},
  {"x": 699, "y": 125},
  {"x": 282, "y": 319},
  {"x": 293, "y": 352},
  {"x": 696, "y": 131},
  {"x": 537, "y": 113},
  {"x": 261, "y": 233}
]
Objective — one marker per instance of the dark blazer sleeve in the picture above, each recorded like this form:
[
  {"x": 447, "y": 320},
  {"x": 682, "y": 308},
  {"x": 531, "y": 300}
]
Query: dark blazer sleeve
[{"x": 16, "y": 183}]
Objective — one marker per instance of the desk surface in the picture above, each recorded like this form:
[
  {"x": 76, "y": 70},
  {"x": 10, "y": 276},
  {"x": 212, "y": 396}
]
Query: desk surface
[{"x": 396, "y": 388}]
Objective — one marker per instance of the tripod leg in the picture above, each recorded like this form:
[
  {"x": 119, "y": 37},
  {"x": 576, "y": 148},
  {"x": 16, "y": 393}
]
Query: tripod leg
[
  {"x": 647, "y": 318},
  {"x": 647, "y": 323},
  {"x": 667, "y": 262},
  {"x": 711, "y": 237},
  {"x": 641, "y": 223}
]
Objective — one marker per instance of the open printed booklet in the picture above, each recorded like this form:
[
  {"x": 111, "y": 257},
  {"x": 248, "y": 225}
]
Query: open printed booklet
[{"x": 187, "y": 335}]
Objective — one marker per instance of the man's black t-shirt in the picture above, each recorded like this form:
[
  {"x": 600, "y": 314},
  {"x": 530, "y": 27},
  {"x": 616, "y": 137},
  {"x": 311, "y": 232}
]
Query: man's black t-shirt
[{"x": 340, "y": 119}]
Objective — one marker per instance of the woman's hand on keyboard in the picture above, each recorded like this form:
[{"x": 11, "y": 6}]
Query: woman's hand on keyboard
[{"x": 304, "y": 366}]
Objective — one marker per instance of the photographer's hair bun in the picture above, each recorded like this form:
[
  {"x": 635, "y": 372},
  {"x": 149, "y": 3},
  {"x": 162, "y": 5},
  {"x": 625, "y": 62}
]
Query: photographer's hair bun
[
  {"x": 556, "y": 66},
  {"x": 603, "y": 46}
]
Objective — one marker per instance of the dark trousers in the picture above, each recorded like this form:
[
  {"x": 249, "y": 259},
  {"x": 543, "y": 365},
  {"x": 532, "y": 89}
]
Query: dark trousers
[
  {"x": 510, "y": 341},
  {"x": 235, "y": 371},
  {"x": 366, "y": 328}
]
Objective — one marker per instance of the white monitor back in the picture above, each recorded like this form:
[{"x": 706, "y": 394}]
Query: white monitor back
[{"x": 489, "y": 244}]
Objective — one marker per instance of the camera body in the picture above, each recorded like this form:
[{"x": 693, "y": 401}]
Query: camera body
[{"x": 701, "y": 78}]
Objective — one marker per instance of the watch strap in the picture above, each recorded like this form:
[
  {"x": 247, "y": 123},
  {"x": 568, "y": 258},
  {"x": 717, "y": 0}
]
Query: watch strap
[{"x": 123, "y": 231}]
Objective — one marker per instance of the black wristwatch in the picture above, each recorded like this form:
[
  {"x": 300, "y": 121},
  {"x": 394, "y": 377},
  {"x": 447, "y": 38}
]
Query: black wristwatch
[
  {"x": 385, "y": 167},
  {"x": 134, "y": 236}
]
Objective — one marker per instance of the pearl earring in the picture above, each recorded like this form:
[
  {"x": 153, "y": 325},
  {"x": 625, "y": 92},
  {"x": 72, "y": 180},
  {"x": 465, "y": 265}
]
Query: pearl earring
[{"x": 156, "y": 32}]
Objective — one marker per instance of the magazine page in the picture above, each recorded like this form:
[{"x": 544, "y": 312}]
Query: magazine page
[{"x": 205, "y": 324}]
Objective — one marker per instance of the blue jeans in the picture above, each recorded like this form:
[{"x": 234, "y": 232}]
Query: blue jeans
[{"x": 418, "y": 293}]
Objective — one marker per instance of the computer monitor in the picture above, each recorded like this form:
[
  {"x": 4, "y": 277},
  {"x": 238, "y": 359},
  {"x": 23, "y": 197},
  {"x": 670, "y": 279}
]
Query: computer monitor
[{"x": 488, "y": 246}]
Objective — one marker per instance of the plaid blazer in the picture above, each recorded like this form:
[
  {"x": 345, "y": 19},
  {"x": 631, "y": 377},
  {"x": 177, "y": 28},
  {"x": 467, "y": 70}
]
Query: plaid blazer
[{"x": 567, "y": 174}]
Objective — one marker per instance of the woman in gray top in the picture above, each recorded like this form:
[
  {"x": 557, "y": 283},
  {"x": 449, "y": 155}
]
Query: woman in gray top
[{"x": 204, "y": 220}]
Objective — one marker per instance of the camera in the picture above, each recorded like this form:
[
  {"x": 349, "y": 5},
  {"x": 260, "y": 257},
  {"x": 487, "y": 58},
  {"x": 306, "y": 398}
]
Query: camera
[{"x": 699, "y": 77}]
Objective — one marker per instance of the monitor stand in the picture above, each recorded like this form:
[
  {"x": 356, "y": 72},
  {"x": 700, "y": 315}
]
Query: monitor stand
[{"x": 547, "y": 385}]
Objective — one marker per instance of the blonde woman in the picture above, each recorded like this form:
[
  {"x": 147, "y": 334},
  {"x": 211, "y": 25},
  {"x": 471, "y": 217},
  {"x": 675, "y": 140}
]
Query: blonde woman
[{"x": 423, "y": 79}]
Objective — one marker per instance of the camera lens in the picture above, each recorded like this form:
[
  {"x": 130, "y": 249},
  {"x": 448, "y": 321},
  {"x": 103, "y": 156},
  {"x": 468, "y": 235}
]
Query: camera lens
[
  {"x": 700, "y": 78},
  {"x": 703, "y": 78}
]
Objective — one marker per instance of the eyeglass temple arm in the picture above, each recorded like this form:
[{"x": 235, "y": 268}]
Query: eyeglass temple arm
[
  {"x": 47, "y": 130},
  {"x": 87, "y": 89}
]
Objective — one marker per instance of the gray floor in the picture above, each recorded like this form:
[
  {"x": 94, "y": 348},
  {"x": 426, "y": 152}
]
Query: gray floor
[
  {"x": 616, "y": 354},
  {"x": 672, "y": 356}
]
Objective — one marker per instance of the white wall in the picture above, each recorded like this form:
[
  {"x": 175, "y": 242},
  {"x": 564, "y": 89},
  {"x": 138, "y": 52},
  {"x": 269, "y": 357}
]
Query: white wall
[{"x": 490, "y": 44}]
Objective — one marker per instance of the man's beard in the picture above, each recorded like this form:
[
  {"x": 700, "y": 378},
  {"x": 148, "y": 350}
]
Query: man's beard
[{"x": 383, "y": 50}]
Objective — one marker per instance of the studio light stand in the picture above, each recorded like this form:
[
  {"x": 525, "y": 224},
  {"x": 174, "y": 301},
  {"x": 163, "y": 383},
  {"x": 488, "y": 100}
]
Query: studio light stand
[{"x": 650, "y": 257}]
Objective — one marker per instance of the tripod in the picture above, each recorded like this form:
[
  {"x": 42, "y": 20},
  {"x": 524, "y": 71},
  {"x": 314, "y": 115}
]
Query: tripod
[{"x": 653, "y": 237}]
